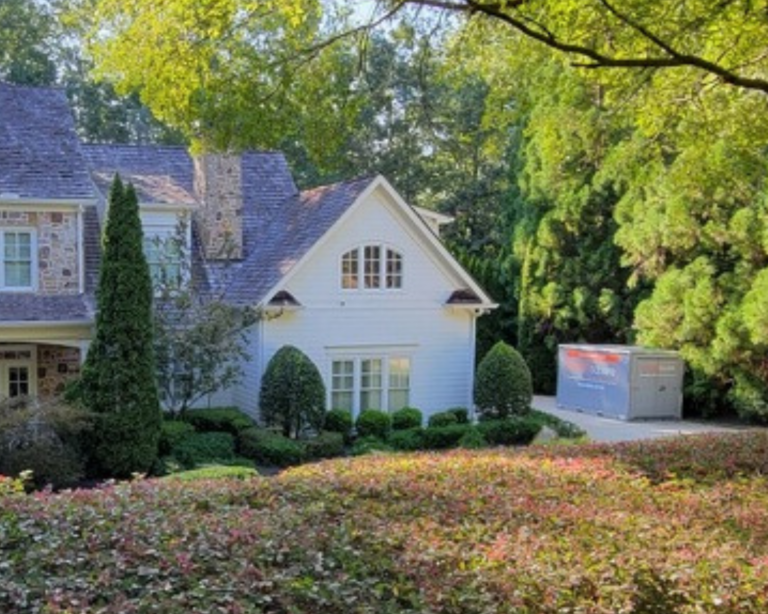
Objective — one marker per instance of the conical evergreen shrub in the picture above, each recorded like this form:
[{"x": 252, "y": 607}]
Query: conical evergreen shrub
[
  {"x": 503, "y": 383},
  {"x": 118, "y": 381}
]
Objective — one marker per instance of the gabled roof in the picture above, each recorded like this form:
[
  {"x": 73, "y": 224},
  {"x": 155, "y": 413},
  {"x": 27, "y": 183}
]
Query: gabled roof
[
  {"x": 291, "y": 230},
  {"x": 46, "y": 308},
  {"x": 40, "y": 155}
]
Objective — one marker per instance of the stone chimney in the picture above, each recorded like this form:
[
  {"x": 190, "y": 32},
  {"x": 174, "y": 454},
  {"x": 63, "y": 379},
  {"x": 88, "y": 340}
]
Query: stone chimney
[{"x": 219, "y": 187}]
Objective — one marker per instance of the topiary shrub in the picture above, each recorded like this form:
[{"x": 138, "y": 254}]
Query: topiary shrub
[
  {"x": 461, "y": 413},
  {"x": 374, "y": 423},
  {"x": 202, "y": 448},
  {"x": 407, "y": 440},
  {"x": 514, "y": 431},
  {"x": 227, "y": 419},
  {"x": 172, "y": 433},
  {"x": 326, "y": 444},
  {"x": 270, "y": 448},
  {"x": 503, "y": 383},
  {"x": 339, "y": 421},
  {"x": 292, "y": 393},
  {"x": 443, "y": 418},
  {"x": 444, "y": 437},
  {"x": 406, "y": 418}
]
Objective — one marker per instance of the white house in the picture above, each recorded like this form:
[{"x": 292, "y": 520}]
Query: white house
[{"x": 348, "y": 273}]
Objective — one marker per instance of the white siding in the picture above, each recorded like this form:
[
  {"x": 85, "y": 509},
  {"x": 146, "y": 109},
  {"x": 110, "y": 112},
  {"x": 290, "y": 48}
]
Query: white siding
[{"x": 411, "y": 321}]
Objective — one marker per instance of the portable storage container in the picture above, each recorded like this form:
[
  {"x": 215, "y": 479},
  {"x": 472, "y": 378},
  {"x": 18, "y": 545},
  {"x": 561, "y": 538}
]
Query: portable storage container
[{"x": 620, "y": 381}]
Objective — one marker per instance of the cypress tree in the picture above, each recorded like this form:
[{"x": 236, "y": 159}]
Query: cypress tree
[{"x": 118, "y": 382}]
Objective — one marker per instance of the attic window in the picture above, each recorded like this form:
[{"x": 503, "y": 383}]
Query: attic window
[{"x": 372, "y": 267}]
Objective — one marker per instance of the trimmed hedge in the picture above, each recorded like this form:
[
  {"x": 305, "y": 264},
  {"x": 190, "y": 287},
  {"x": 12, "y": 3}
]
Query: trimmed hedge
[
  {"x": 407, "y": 418},
  {"x": 514, "y": 431},
  {"x": 444, "y": 437},
  {"x": 407, "y": 440},
  {"x": 202, "y": 448},
  {"x": 216, "y": 472},
  {"x": 227, "y": 419},
  {"x": 325, "y": 445},
  {"x": 270, "y": 448},
  {"x": 443, "y": 418},
  {"x": 370, "y": 445},
  {"x": 172, "y": 433},
  {"x": 339, "y": 421},
  {"x": 374, "y": 423}
]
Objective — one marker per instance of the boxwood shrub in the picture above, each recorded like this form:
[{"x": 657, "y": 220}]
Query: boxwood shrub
[
  {"x": 407, "y": 440},
  {"x": 461, "y": 413},
  {"x": 370, "y": 444},
  {"x": 339, "y": 421},
  {"x": 172, "y": 433},
  {"x": 443, "y": 418},
  {"x": 407, "y": 418},
  {"x": 444, "y": 437},
  {"x": 513, "y": 431},
  {"x": 202, "y": 448},
  {"x": 374, "y": 423},
  {"x": 503, "y": 385},
  {"x": 270, "y": 448},
  {"x": 227, "y": 419},
  {"x": 326, "y": 444}
]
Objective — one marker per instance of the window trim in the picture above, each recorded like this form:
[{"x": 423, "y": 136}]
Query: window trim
[
  {"x": 357, "y": 359},
  {"x": 8, "y": 363},
  {"x": 361, "y": 273},
  {"x": 33, "y": 258}
]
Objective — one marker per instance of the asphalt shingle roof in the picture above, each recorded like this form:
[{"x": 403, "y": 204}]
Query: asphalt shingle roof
[
  {"x": 44, "y": 308},
  {"x": 40, "y": 155}
]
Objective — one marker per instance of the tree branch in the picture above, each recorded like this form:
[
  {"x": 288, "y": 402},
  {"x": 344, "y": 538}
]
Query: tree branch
[{"x": 505, "y": 12}]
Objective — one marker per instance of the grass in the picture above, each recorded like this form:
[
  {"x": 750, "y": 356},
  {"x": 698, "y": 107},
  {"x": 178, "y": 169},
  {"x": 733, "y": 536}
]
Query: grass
[{"x": 584, "y": 528}]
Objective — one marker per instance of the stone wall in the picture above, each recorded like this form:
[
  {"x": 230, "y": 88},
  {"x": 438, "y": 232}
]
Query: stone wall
[
  {"x": 56, "y": 365},
  {"x": 219, "y": 186},
  {"x": 57, "y": 263}
]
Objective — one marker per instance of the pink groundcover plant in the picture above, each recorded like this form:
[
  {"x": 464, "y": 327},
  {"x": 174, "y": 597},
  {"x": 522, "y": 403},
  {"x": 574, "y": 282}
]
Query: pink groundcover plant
[{"x": 587, "y": 529}]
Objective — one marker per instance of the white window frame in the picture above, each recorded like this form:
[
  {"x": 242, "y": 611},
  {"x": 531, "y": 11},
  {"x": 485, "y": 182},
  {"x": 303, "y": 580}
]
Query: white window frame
[
  {"x": 160, "y": 235},
  {"x": 382, "y": 273},
  {"x": 358, "y": 390},
  {"x": 6, "y": 364},
  {"x": 32, "y": 232}
]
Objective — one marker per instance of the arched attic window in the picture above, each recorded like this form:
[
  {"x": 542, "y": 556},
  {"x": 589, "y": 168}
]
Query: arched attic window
[{"x": 372, "y": 267}]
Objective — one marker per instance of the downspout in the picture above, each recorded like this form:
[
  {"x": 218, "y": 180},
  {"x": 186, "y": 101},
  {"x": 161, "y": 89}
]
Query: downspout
[
  {"x": 80, "y": 252},
  {"x": 473, "y": 348}
]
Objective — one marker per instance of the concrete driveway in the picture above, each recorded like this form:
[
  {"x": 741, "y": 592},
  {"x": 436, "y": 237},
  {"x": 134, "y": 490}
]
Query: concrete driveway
[{"x": 608, "y": 429}]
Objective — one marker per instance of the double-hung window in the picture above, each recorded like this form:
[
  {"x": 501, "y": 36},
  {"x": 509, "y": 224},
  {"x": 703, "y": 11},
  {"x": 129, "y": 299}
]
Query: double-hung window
[
  {"x": 372, "y": 267},
  {"x": 370, "y": 382},
  {"x": 18, "y": 259},
  {"x": 164, "y": 255}
]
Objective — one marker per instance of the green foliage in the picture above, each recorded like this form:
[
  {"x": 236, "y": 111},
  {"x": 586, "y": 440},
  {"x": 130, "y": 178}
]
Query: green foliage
[
  {"x": 25, "y": 43},
  {"x": 444, "y": 437},
  {"x": 360, "y": 515},
  {"x": 503, "y": 383},
  {"x": 227, "y": 419},
  {"x": 563, "y": 428},
  {"x": 292, "y": 393},
  {"x": 172, "y": 433},
  {"x": 339, "y": 421},
  {"x": 217, "y": 472},
  {"x": 373, "y": 423},
  {"x": 512, "y": 431},
  {"x": 204, "y": 448},
  {"x": 473, "y": 439},
  {"x": 370, "y": 444},
  {"x": 406, "y": 418},
  {"x": 443, "y": 418},
  {"x": 325, "y": 444},
  {"x": 270, "y": 448},
  {"x": 118, "y": 378},
  {"x": 407, "y": 440},
  {"x": 461, "y": 413}
]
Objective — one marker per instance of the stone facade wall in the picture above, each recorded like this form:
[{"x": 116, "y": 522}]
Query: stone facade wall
[
  {"x": 219, "y": 186},
  {"x": 56, "y": 365},
  {"x": 57, "y": 259}
]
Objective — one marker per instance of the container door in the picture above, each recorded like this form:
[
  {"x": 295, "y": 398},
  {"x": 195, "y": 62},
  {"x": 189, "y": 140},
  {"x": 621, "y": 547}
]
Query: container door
[{"x": 656, "y": 388}]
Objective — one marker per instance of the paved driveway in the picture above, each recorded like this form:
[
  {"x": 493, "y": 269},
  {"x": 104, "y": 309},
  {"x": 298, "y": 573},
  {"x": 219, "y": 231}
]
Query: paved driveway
[{"x": 607, "y": 429}]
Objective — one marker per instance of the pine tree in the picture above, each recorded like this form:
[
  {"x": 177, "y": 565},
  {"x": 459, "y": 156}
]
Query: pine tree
[{"x": 118, "y": 382}]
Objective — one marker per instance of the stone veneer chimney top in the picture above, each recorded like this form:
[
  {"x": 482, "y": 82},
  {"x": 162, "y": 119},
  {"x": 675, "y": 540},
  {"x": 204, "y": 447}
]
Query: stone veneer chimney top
[{"x": 219, "y": 187}]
